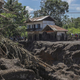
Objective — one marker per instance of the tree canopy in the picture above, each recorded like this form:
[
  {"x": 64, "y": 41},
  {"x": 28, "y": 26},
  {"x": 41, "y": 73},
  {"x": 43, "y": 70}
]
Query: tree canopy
[
  {"x": 72, "y": 24},
  {"x": 18, "y": 14},
  {"x": 54, "y": 8}
]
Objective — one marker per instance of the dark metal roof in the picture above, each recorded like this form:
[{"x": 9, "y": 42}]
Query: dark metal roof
[{"x": 39, "y": 19}]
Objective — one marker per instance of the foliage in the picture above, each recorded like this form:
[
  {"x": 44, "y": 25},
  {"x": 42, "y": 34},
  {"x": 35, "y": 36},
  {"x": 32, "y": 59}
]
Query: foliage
[
  {"x": 22, "y": 31},
  {"x": 73, "y": 25},
  {"x": 74, "y": 30},
  {"x": 54, "y": 8},
  {"x": 18, "y": 14}
]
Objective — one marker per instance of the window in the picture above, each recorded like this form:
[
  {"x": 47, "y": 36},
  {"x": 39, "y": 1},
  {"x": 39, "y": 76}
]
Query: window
[
  {"x": 38, "y": 26},
  {"x": 33, "y": 26},
  {"x": 28, "y": 27}
]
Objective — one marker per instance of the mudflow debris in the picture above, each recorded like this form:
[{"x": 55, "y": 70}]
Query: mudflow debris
[{"x": 40, "y": 60}]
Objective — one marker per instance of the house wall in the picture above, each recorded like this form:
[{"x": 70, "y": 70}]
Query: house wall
[
  {"x": 35, "y": 24},
  {"x": 53, "y": 36},
  {"x": 49, "y": 36},
  {"x": 59, "y": 35},
  {"x": 42, "y": 23}
]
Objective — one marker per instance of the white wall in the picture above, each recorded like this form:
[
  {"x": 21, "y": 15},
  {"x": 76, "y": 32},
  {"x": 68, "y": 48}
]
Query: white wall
[
  {"x": 42, "y": 23},
  {"x": 35, "y": 24},
  {"x": 48, "y": 23},
  {"x": 59, "y": 34}
]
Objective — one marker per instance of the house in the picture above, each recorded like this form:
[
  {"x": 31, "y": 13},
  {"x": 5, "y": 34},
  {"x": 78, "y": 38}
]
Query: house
[{"x": 44, "y": 28}]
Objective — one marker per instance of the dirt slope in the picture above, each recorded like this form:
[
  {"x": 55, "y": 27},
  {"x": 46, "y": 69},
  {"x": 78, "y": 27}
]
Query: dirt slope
[
  {"x": 64, "y": 57},
  {"x": 10, "y": 69},
  {"x": 43, "y": 61},
  {"x": 16, "y": 63}
]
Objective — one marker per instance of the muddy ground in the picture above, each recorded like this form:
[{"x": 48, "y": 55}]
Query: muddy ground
[
  {"x": 63, "y": 56},
  {"x": 39, "y": 60}
]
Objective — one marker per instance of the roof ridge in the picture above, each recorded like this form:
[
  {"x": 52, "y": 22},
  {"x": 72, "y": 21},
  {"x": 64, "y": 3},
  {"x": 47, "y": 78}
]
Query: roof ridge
[
  {"x": 40, "y": 16},
  {"x": 36, "y": 19}
]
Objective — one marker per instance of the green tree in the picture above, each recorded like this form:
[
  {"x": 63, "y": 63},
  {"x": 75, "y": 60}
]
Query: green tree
[
  {"x": 54, "y": 8},
  {"x": 73, "y": 25},
  {"x": 16, "y": 17}
]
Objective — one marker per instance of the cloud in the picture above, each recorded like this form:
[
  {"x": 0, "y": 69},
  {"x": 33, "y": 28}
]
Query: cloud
[
  {"x": 78, "y": 8},
  {"x": 29, "y": 9},
  {"x": 74, "y": 7},
  {"x": 69, "y": 1}
]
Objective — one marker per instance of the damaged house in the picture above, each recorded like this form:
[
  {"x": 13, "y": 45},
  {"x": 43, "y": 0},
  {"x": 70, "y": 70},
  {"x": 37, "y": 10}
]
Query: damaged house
[{"x": 44, "y": 28}]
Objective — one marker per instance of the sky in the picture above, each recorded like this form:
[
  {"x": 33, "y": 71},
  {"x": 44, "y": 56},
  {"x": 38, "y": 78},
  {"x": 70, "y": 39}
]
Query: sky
[{"x": 33, "y": 5}]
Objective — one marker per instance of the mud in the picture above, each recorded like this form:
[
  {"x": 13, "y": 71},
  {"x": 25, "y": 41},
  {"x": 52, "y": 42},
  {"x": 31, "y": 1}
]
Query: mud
[
  {"x": 40, "y": 60},
  {"x": 64, "y": 57}
]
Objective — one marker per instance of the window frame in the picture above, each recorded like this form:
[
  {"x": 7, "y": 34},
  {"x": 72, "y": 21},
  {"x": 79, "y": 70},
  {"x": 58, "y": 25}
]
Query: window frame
[
  {"x": 34, "y": 26},
  {"x": 38, "y": 26},
  {"x": 28, "y": 26}
]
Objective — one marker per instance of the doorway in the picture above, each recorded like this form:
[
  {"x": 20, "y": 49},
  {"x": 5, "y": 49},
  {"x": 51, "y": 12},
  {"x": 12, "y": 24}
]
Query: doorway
[
  {"x": 40, "y": 36},
  {"x": 35, "y": 37}
]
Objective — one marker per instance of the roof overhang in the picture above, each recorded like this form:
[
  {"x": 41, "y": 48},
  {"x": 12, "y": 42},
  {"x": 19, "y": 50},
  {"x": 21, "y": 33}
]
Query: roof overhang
[{"x": 55, "y": 28}]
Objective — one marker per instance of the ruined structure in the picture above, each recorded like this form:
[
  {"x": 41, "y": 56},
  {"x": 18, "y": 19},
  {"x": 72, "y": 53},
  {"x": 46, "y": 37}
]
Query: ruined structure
[{"x": 44, "y": 28}]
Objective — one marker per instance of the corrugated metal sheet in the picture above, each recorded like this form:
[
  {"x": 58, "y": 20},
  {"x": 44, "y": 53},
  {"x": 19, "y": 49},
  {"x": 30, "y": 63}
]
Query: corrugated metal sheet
[
  {"x": 37, "y": 19},
  {"x": 56, "y": 28}
]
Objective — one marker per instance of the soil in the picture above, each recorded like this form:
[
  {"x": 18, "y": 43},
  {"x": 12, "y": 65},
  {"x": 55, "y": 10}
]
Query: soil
[
  {"x": 11, "y": 69},
  {"x": 63, "y": 56},
  {"x": 39, "y": 60}
]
